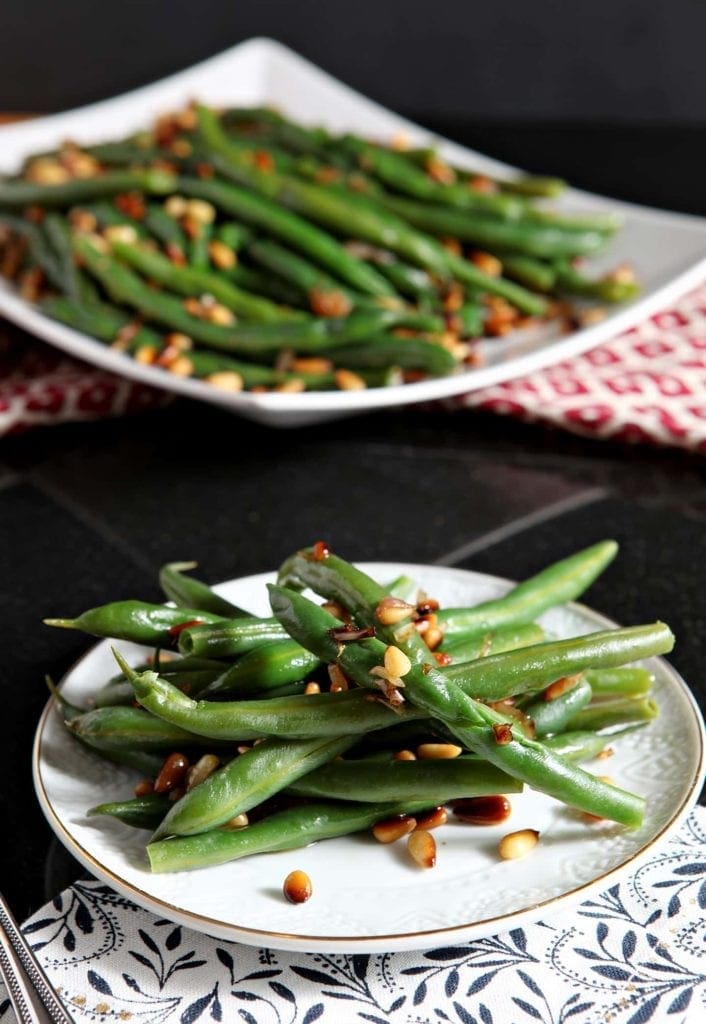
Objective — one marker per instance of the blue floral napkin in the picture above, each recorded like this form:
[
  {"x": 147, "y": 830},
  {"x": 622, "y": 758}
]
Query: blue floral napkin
[{"x": 636, "y": 953}]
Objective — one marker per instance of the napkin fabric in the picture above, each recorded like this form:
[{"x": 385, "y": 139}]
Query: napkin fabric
[
  {"x": 646, "y": 385},
  {"x": 633, "y": 954}
]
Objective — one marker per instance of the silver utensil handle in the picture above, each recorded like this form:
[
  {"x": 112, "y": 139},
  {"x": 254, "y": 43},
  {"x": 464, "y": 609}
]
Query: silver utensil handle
[{"x": 37, "y": 1002}]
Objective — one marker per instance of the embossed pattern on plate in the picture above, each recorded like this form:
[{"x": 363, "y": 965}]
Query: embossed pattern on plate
[{"x": 369, "y": 897}]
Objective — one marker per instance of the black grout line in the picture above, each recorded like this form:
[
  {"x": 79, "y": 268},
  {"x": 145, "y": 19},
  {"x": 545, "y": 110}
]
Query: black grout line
[
  {"x": 542, "y": 515},
  {"x": 87, "y": 518}
]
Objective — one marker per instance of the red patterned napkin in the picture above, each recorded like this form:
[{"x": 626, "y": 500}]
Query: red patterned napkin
[{"x": 647, "y": 385}]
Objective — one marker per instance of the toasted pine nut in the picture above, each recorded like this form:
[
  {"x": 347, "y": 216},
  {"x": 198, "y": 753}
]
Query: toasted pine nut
[
  {"x": 483, "y": 810},
  {"x": 172, "y": 773},
  {"x": 181, "y": 367},
  {"x": 438, "y": 751},
  {"x": 346, "y": 380},
  {"x": 293, "y": 386},
  {"x": 336, "y": 609},
  {"x": 624, "y": 273},
  {"x": 434, "y": 818},
  {"x": 404, "y": 755},
  {"x": 312, "y": 688},
  {"x": 433, "y": 637},
  {"x": 329, "y": 302},
  {"x": 193, "y": 307},
  {"x": 179, "y": 341},
  {"x": 46, "y": 171},
  {"x": 490, "y": 265},
  {"x": 397, "y": 663},
  {"x": 605, "y": 754},
  {"x": 561, "y": 686},
  {"x": 144, "y": 788},
  {"x": 239, "y": 821},
  {"x": 339, "y": 682},
  {"x": 392, "y": 610},
  {"x": 311, "y": 364},
  {"x": 502, "y": 733},
  {"x": 221, "y": 315},
  {"x": 422, "y": 847},
  {"x": 221, "y": 255},
  {"x": 82, "y": 220},
  {"x": 297, "y": 887},
  {"x": 391, "y": 829},
  {"x": 175, "y": 206},
  {"x": 226, "y": 380},
  {"x": 121, "y": 233},
  {"x": 518, "y": 844},
  {"x": 204, "y": 767},
  {"x": 146, "y": 354},
  {"x": 200, "y": 211}
]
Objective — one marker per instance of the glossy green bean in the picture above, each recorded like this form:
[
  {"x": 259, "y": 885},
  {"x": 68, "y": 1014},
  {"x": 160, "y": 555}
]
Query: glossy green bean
[
  {"x": 130, "y": 728},
  {"x": 296, "y": 718},
  {"x": 266, "y": 667},
  {"x": 246, "y": 781},
  {"x": 385, "y": 350},
  {"x": 229, "y": 638},
  {"x": 609, "y": 713},
  {"x": 74, "y": 282},
  {"x": 16, "y": 193},
  {"x": 39, "y": 249},
  {"x": 155, "y": 625},
  {"x": 101, "y": 320},
  {"x": 192, "y": 593},
  {"x": 139, "y": 812},
  {"x": 437, "y": 782},
  {"x": 287, "y": 830},
  {"x": 552, "y": 716},
  {"x": 482, "y": 645},
  {"x": 620, "y": 682},
  {"x": 606, "y": 289}
]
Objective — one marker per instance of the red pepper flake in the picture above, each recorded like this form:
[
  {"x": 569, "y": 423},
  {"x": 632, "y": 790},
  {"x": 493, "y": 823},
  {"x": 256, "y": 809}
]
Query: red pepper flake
[
  {"x": 348, "y": 633},
  {"x": 427, "y": 606},
  {"x": 320, "y": 551},
  {"x": 180, "y": 626},
  {"x": 132, "y": 204},
  {"x": 263, "y": 161},
  {"x": 503, "y": 733},
  {"x": 442, "y": 658}
]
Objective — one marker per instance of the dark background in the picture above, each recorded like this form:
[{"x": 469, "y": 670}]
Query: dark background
[{"x": 607, "y": 61}]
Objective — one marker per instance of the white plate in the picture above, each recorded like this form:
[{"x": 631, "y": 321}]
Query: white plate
[
  {"x": 667, "y": 249},
  {"x": 369, "y": 897}
]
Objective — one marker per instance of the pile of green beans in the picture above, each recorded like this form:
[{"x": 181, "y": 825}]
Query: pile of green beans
[
  {"x": 302, "y": 707},
  {"x": 245, "y": 250}
]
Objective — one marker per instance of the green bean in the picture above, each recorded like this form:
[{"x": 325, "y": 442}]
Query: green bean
[
  {"x": 609, "y": 713},
  {"x": 544, "y": 240},
  {"x": 195, "y": 280},
  {"x": 407, "y": 280},
  {"x": 470, "y": 318},
  {"x": 481, "y": 645},
  {"x": 297, "y": 718},
  {"x": 140, "y": 812},
  {"x": 263, "y": 213},
  {"x": 534, "y": 186},
  {"x": 39, "y": 250},
  {"x": 275, "y": 288},
  {"x": 287, "y": 830},
  {"x": 155, "y": 625},
  {"x": 229, "y": 639},
  {"x": 531, "y": 272},
  {"x": 413, "y": 353},
  {"x": 235, "y": 236},
  {"x": 117, "y": 691},
  {"x": 552, "y": 716},
  {"x": 185, "y": 590},
  {"x": 563, "y": 581},
  {"x": 101, "y": 320},
  {"x": 470, "y": 721},
  {"x": 604, "y": 221},
  {"x": 130, "y": 728},
  {"x": 28, "y": 193},
  {"x": 295, "y": 269},
  {"x": 607, "y": 289},
  {"x": 197, "y": 249},
  {"x": 530, "y": 668},
  {"x": 268, "y": 666},
  {"x": 165, "y": 228},
  {"x": 74, "y": 283},
  {"x": 577, "y": 745},
  {"x": 437, "y": 782},
  {"x": 396, "y": 171},
  {"x": 620, "y": 682},
  {"x": 246, "y": 781}
]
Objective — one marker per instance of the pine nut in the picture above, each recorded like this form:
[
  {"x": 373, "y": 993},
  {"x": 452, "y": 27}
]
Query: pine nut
[
  {"x": 490, "y": 265},
  {"x": 204, "y": 767},
  {"x": 561, "y": 686},
  {"x": 175, "y": 206},
  {"x": 180, "y": 341},
  {"x": 397, "y": 664},
  {"x": 391, "y": 829},
  {"x": 297, "y": 887},
  {"x": 336, "y": 609},
  {"x": 221, "y": 255},
  {"x": 438, "y": 751},
  {"x": 346, "y": 380},
  {"x": 433, "y": 637},
  {"x": 182, "y": 367},
  {"x": 121, "y": 233},
  {"x": 312, "y": 688},
  {"x": 221, "y": 315},
  {"x": 226, "y": 380},
  {"x": 172, "y": 773},
  {"x": 239, "y": 821},
  {"x": 144, "y": 788},
  {"x": 311, "y": 364},
  {"x": 422, "y": 847},
  {"x": 329, "y": 302},
  {"x": 518, "y": 844},
  {"x": 200, "y": 211},
  {"x": 483, "y": 810},
  {"x": 404, "y": 755},
  {"x": 434, "y": 818},
  {"x": 339, "y": 682},
  {"x": 146, "y": 355},
  {"x": 392, "y": 610},
  {"x": 294, "y": 386},
  {"x": 46, "y": 171}
]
